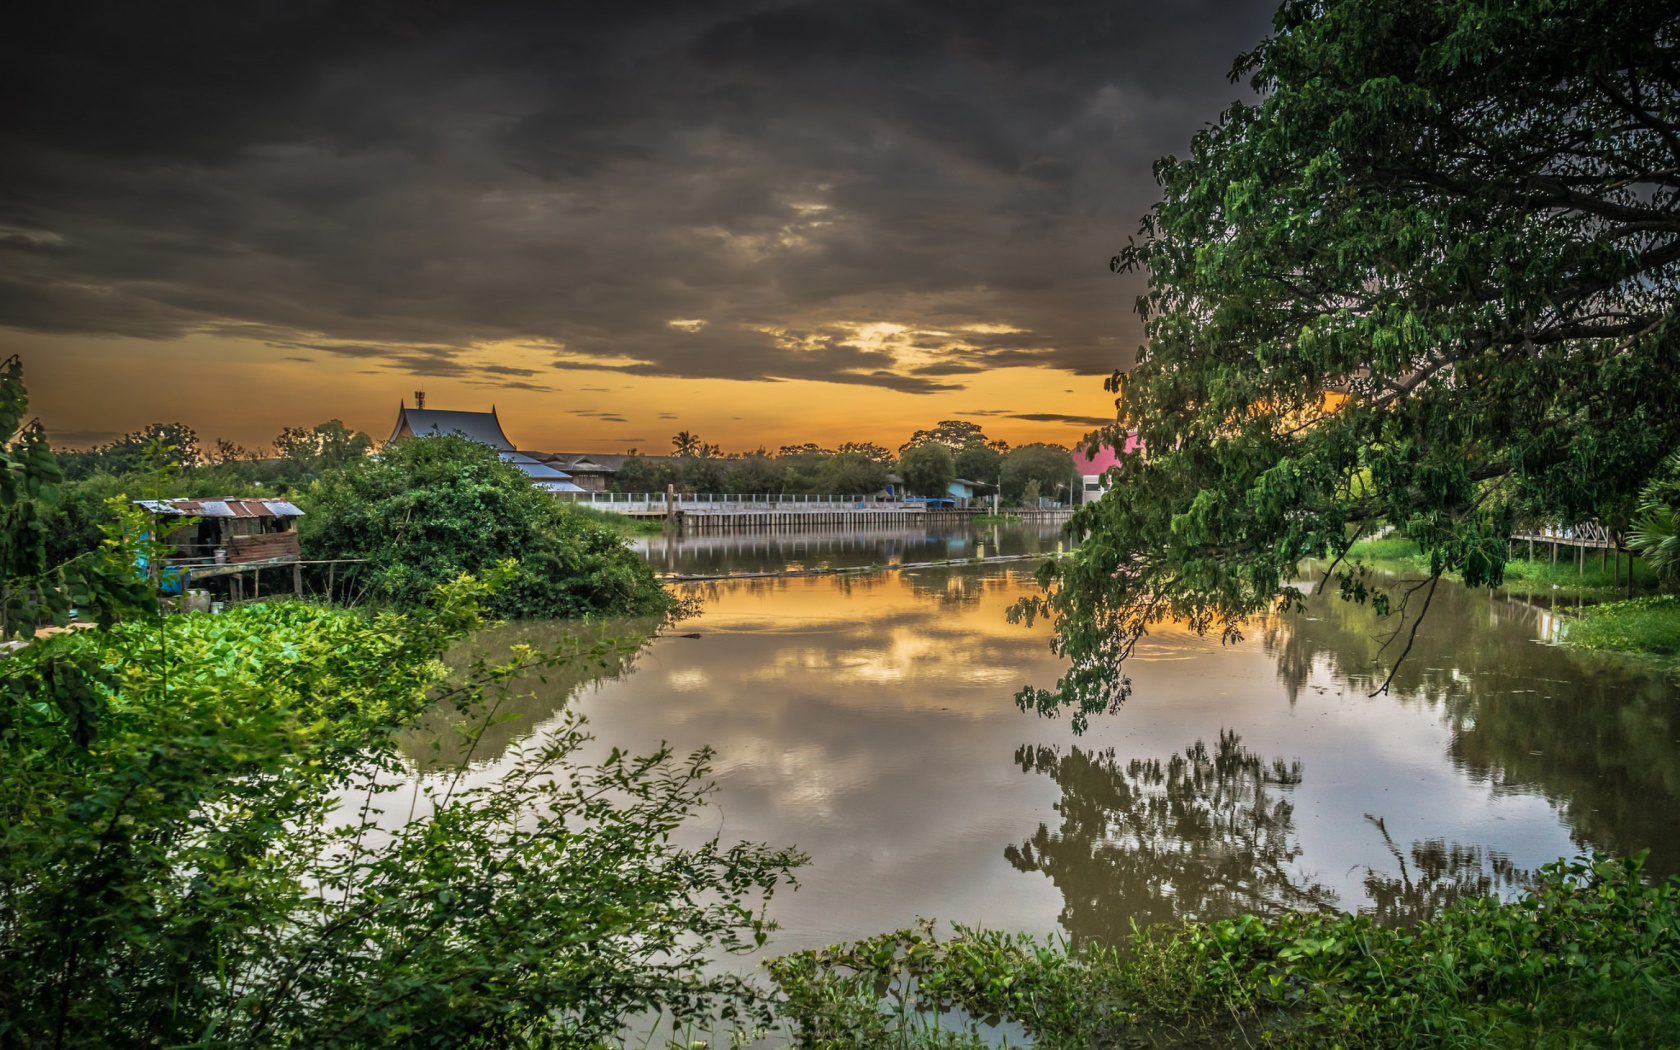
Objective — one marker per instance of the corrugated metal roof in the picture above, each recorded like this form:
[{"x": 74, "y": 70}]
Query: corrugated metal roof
[{"x": 222, "y": 508}]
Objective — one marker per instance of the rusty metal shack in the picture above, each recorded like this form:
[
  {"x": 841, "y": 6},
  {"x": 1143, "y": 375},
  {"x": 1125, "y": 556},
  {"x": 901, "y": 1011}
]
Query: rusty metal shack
[{"x": 229, "y": 537}]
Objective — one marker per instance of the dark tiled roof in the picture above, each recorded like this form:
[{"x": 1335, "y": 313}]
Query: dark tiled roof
[{"x": 483, "y": 427}]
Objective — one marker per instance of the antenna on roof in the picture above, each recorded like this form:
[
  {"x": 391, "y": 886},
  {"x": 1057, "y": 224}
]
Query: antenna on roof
[{"x": 419, "y": 399}]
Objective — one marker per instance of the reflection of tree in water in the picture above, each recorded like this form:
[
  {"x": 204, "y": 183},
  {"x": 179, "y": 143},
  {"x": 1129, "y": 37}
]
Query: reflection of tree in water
[
  {"x": 1595, "y": 734},
  {"x": 1211, "y": 834},
  {"x": 1439, "y": 874},
  {"x": 601, "y": 652},
  {"x": 961, "y": 585},
  {"x": 1203, "y": 835}
]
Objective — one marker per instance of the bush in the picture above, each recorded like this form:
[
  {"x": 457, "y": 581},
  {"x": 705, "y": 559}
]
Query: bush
[
  {"x": 199, "y": 846},
  {"x": 430, "y": 509},
  {"x": 1589, "y": 958}
]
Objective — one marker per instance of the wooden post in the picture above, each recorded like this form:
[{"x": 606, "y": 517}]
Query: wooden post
[
  {"x": 297, "y": 579},
  {"x": 256, "y": 583},
  {"x": 1554, "y": 552},
  {"x": 332, "y": 567}
]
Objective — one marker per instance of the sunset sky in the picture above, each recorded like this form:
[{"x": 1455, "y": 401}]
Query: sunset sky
[{"x": 765, "y": 223}]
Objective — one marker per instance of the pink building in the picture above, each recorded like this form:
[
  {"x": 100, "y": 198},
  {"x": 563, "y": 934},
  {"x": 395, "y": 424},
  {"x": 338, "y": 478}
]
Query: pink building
[{"x": 1091, "y": 468}]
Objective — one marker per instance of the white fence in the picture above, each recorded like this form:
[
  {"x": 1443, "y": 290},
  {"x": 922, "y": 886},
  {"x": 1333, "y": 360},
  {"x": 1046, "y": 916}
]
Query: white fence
[{"x": 727, "y": 503}]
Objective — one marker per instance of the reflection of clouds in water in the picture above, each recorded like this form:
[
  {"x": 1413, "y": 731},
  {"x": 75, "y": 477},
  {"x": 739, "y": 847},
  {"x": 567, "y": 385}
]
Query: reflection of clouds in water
[
  {"x": 869, "y": 721},
  {"x": 687, "y": 679}
]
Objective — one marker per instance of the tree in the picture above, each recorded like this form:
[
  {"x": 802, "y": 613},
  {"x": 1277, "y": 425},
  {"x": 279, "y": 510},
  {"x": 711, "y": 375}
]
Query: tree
[
  {"x": 1656, "y": 532},
  {"x": 1044, "y": 468},
  {"x": 952, "y": 433},
  {"x": 978, "y": 461},
  {"x": 868, "y": 450},
  {"x": 851, "y": 474},
  {"x": 156, "y": 444},
  {"x": 427, "y": 510},
  {"x": 38, "y": 582},
  {"x": 1427, "y": 280},
  {"x": 927, "y": 469},
  {"x": 322, "y": 447},
  {"x": 684, "y": 443},
  {"x": 194, "y": 852}
]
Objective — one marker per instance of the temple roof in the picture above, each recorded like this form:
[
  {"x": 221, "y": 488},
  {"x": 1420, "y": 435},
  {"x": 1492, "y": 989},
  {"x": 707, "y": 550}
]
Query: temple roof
[{"x": 483, "y": 427}]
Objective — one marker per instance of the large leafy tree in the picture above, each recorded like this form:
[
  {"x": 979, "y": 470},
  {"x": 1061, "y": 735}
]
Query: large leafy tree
[
  {"x": 427, "y": 510},
  {"x": 321, "y": 447},
  {"x": 1426, "y": 279},
  {"x": 928, "y": 469},
  {"x": 1048, "y": 468}
]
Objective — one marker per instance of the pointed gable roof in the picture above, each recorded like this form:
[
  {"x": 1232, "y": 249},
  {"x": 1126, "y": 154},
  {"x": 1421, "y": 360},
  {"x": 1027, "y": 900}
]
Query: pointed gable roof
[{"x": 483, "y": 427}]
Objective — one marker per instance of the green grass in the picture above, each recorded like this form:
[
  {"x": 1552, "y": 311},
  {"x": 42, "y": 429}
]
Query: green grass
[
  {"x": 1523, "y": 576},
  {"x": 1589, "y": 959},
  {"x": 1642, "y": 625},
  {"x": 622, "y": 524},
  {"x": 997, "y": 519}
]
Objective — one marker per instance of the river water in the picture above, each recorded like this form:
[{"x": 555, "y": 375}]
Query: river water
[{"x": 868, "y": 719}]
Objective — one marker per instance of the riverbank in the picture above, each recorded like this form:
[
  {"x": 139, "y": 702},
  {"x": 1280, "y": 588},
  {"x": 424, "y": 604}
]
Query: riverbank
[
  {"x": 1524, "y": 577},
  {"x": 1642, "y": 625},
  {"x": 1589, "y": 958},
  {"x": 1648, "y": 623}
]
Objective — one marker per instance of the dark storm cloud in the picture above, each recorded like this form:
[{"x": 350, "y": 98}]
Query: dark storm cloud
[{"x": 723, "y": 190}]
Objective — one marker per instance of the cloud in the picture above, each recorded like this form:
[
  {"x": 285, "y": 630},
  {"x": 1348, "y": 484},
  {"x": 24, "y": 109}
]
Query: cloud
[
  {"x": 1054, "y": 417},
  {"x": 651, "y": 189}
]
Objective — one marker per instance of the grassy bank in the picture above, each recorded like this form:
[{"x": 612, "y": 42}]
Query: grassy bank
[
  {"x": 1642, "y": 625},
  {"x": 1589, "y": 959},
  {"x": 1522, "y": 575},
  {"x": 997, "y": 519},
  {"x": 623, "y": 524}
]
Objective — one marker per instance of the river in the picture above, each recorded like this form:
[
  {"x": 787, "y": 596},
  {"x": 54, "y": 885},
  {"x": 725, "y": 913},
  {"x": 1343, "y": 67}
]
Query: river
[{"x": 868, "y": 719}]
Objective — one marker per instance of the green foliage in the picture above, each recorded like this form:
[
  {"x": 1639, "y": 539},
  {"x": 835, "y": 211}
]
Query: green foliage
[
  {"x": 927, "y": 469},
  {"x": 427, "y": 510},
  {"x": 954, "y": 434},
  {"x": 1639, "y": 625},
  {"x": 622, "y": 524},
  {"x": 38, "y": 582},
  {"x": 1656, "y": 533},
  {"x": 978, "y": 461},
  {"x": 137, "y": 452},
  {"x": 1590, "y": 958},
  {"x": 1049, "y": 466},
  {"x": 1427, "y": 279},
  {"x": 321, "y": 447},
  {"x": 203, "y": 842}
]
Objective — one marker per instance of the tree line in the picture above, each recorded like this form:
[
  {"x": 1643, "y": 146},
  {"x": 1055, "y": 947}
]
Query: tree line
[{"x": 925, "y": 465}]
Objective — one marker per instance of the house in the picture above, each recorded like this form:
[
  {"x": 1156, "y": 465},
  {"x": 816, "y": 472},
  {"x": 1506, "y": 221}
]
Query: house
[
  {"x": 964, "y": 491},
  {"x": 592, "y": 473},
  {"x": 228, "y": 536},
  {"x": 1092, "y": 468},
  {"x": 486, "y": 429}
]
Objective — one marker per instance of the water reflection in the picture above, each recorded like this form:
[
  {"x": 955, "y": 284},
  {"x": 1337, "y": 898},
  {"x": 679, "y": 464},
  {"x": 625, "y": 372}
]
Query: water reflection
[
  {"x": 768, "y": 551},
  {"x": 867, "y": 719},
  {"x": 1595, "y": 734},
  {"x": 1203, "y": 835},
  {"x": 1438, "y": 875}
]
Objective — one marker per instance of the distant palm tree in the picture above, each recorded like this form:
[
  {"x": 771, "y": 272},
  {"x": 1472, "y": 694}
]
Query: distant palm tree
[
  {"x": 686, "y": 444},
  {"x": 1656, "y": 534}
]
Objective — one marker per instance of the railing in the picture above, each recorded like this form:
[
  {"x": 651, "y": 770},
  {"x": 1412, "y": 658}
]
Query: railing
[
  {"x": 704, "y": 502},
  {"x": 1586, "y": 534}
]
